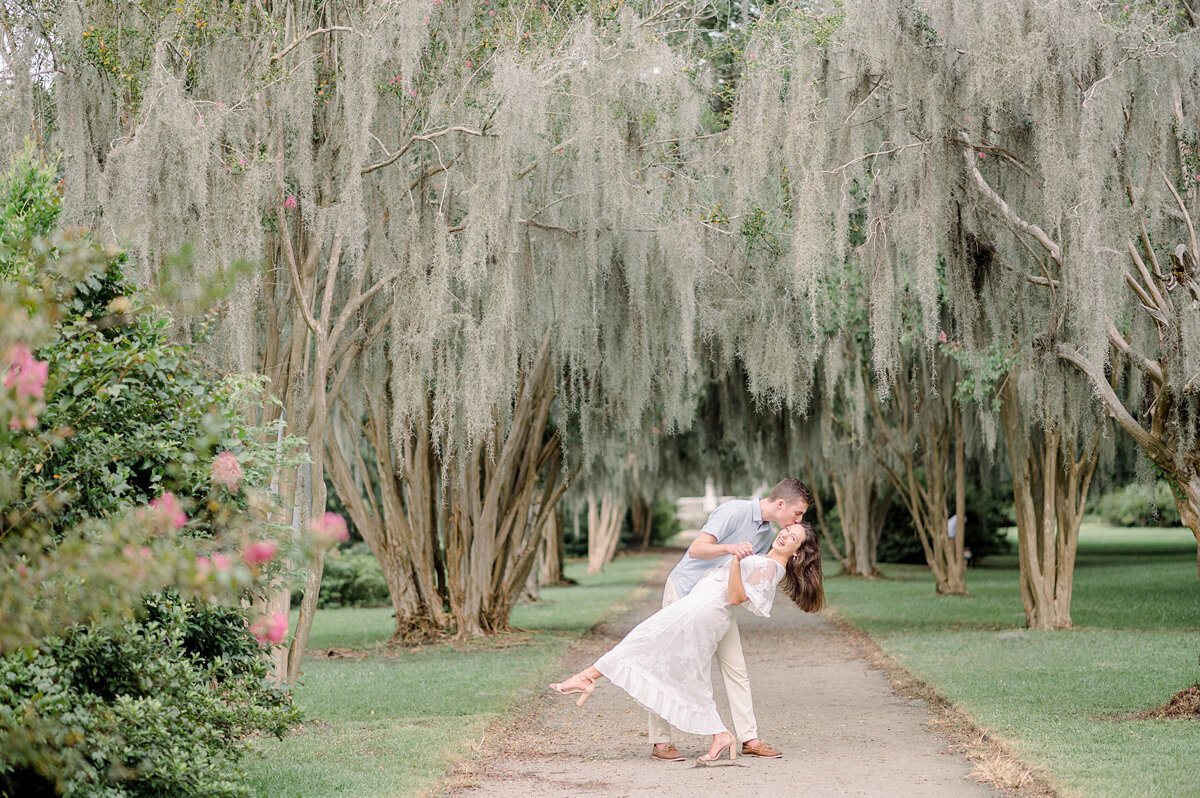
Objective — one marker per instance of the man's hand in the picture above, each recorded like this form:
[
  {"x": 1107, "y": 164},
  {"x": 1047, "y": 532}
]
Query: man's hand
[
  {"x": 739, "y": 550},
  {"x": 706, "y": 547}
]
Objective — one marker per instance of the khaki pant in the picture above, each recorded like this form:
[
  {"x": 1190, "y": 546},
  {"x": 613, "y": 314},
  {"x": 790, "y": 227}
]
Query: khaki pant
[{"x": 737, "y": 682}]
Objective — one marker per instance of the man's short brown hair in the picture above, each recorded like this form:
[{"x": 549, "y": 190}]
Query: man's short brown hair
[{"x": 791, "y": 490}]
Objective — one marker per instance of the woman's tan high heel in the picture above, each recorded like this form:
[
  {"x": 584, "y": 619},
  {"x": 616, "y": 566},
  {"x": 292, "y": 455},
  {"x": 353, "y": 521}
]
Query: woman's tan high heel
[
  {"x": 732, "y": 751},
  {"x": 587, "y": 691}
]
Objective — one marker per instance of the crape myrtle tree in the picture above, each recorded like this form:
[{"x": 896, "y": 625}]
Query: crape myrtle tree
[
  {"x": 467, "y": 214},
  {"x": 1045, "y": 153}
]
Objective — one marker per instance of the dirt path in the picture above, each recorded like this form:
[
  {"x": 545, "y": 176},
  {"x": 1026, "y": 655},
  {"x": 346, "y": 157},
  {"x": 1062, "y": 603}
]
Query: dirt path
[{"x": 843, "y": 730}]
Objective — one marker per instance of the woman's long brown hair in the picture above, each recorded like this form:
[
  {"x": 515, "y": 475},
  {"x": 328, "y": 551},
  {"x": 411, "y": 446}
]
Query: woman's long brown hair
[{"x": 802, "y": 579}]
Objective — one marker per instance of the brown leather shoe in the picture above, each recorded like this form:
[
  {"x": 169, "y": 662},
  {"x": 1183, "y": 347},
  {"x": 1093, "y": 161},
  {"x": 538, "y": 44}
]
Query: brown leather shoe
[
  {"x": 762, "y": 749},
  {"x": 668, "y": 754}
]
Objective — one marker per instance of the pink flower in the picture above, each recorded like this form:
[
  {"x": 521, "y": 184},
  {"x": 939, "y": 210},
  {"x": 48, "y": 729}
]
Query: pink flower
[
  {"x": 259, "y": 552},
  {"x": 270, "y": 628},
  {"x": 413, "y": 92},
  {"x": 981, "y": 155},
  {"x": 26, "y": 422},
  {"x": 167, "y": 507},
  {"x": 227, "y": 471},
  {"x": 290, "y": 202},
  {"x": 468, "y": 65},
  {"x": 25, "y": 372},
  {"x": 942, "y": 336},
  {"x": 241, "y": 161},
  {"x": 329, "y": 529},
  {"x": 203, "y": 567},
  {"x": 220, "y": 562}
]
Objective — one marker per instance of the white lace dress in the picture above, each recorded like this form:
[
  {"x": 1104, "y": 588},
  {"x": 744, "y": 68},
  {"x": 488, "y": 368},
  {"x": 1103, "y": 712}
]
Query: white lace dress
[{"x": 665, "y": 662}]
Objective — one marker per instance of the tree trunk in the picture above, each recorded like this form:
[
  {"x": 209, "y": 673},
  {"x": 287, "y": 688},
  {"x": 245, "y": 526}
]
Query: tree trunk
[
  {"x": 492, "y": 536},
  {"x": 604, "y": 530},
  {"x": 552, "y": 552},
  {"x": 1050, "y": 487},
  {"x": 642, "y": 519},
  {"x": 399, "y": 522},
  {"x": 925, "y": 428},
  {"x": 861, "y": 507}
]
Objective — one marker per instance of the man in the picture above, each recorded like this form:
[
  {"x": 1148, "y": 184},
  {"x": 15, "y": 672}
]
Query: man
[{"x": 738, "y": 526}]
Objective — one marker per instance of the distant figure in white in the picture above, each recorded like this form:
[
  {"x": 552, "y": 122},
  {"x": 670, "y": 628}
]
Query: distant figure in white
[{"x": 664, "y": 662}]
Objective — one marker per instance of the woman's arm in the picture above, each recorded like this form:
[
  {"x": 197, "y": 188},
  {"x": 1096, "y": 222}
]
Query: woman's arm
[{"x": 737, "y": 592}]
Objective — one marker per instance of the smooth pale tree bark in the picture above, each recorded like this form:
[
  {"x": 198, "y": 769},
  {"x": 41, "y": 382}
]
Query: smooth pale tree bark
[
  {"x": 862, "y": 504},
  {"x": 924, "y": 433},
  {"x": 1051, "y": 477},
  {"x": 492, "y": 534},
  {"x": 604, "y": 529},
  {"x": 394, "y": 505}
]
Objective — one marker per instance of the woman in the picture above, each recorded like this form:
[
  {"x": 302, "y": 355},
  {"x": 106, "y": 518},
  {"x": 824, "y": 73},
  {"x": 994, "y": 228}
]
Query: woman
[{"x": 664, "y": 662}]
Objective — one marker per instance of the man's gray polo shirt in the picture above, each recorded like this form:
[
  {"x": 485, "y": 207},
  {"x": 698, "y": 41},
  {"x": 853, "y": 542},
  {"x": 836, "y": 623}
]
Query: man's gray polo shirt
[{"x": 735, "y": 521}]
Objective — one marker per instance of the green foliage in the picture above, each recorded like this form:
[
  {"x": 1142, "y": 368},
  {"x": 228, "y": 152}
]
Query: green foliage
[
  {"x": 353, "y": 578},
  {"x": 29, "y": 204},
  {"x": 157, "y": 707},
  {"x": 1139, "y": 504}
]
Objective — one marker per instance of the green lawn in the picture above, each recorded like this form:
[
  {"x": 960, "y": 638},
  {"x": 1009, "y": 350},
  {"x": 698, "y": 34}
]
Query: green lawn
[
  {"x": 1136, "y": 609},
  {"x": 391, "y": 724}
]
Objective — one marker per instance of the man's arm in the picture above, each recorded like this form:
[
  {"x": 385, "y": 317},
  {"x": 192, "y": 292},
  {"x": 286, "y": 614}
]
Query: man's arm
[{"x": 706, "y": 547}]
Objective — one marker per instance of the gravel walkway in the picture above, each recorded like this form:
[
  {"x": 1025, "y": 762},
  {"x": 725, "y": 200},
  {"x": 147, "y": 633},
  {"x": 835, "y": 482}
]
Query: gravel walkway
[{"x": 843, "y": 730}]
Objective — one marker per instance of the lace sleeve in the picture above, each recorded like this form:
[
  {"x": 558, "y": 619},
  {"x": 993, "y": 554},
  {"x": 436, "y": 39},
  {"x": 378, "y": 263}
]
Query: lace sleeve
[{"x": 759, "y": 577}]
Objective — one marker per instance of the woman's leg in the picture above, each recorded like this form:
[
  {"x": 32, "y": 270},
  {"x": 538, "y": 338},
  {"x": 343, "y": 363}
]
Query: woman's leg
[
  {"x": 582, "y": 682},
  {"x": 719, "y": 744}
]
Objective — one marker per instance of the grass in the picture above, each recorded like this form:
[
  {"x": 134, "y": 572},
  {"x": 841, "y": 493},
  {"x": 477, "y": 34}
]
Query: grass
[
  {"x": 390, "y": 724},
  {"x": 1053, "y": 695}
]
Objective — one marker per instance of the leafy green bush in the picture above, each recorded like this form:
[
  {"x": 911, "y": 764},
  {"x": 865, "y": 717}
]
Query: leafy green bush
[
  {"x": 1138, "y": 504},
  {"x": 157, "y": 707},
  {"x": 353, "y": 578}
]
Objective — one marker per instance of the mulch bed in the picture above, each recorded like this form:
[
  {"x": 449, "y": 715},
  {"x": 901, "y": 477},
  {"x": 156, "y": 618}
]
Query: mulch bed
[{"x": 1184, "y": 704}]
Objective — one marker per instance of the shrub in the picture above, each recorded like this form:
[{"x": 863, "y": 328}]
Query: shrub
[
  {"x": 354, "y": 578},
  {"x": 1139, "y": 504},
  {"x": 156, "y": 707}
]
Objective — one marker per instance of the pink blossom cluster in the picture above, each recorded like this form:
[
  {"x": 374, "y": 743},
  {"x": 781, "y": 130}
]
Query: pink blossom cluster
[
  {"x": 27, "y": 376},
  {"x": 166, "y": 509},
  {"x": 227, "y": 471},
  {"x": 206, "y": 565},
  {"x": 329, "y": 529},
  {"x": 260, "y": 552},
  {"x": 270, "y": 628}
]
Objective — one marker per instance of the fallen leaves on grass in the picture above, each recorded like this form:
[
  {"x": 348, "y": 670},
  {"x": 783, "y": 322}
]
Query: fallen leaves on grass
[{"x": 1184, "y": 704}]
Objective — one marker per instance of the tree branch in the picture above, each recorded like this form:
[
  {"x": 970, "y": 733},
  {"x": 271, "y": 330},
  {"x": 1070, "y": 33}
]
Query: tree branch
[{"x": 308, "y": 36}]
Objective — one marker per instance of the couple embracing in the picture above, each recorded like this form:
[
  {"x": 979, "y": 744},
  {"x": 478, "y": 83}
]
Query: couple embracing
[{"x": 664, "y": 662}]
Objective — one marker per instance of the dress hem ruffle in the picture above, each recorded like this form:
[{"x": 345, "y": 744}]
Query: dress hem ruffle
[{"x": 643, "y": 689}]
